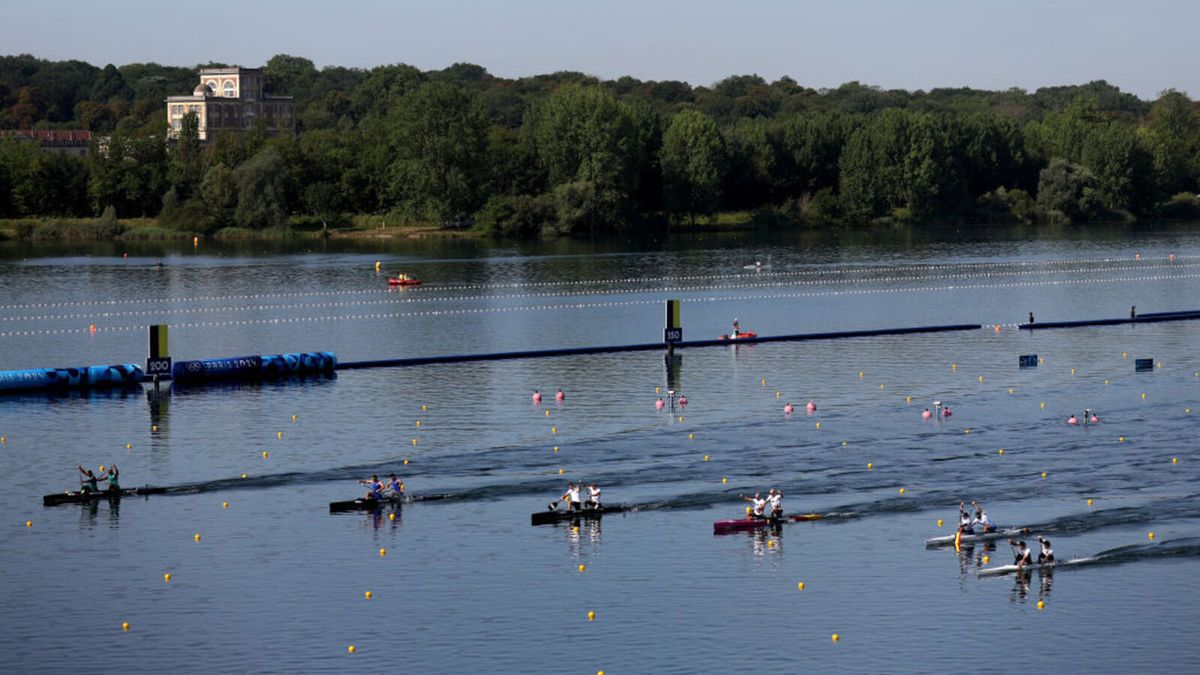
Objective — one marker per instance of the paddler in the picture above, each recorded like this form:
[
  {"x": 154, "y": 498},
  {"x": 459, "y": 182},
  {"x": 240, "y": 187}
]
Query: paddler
[
  {"x": 88, "y": 481},
  {"x": 571, "y": 497},
  {"x": 1047, "y": 553},
  {"x": 114, "y": 485},
  {"x": 593, "y": 501},
  {"x": 1022, "y": 555},
  {"x": 375, "y": 487},
  {"x": 757, "y": 504},
  {"x": 775, "y": 504},
  {"x": 982, "y": 519},
  {"x": 965, "y": 525},
  {"x": 395, "y": 486}
]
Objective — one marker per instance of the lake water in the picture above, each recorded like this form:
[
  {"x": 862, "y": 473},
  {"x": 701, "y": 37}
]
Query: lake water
[{"x": 276, "y": 583}]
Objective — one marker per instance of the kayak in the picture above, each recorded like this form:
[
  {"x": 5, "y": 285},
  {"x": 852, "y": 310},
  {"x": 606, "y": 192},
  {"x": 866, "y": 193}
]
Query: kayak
[
  {"x": 1010, "y": 569},
  {"x": 970, "y": 538},
  {"x": 396, "y": 281},
  {"x": 743, "y": 524},
  {"x": 745, "y": 335}
]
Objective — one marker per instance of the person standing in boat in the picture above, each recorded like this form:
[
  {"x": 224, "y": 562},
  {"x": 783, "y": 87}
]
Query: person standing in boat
[
  {"x": 88, "y": 481},
  {"x": 775, "y": 504},
  {"x": 375, "y": 487},
  {"x": 593, "y": 500},
  {"x": 395, "y": 487},
  {"x": 757, "y": 505},
  {"x": 1047, "y": 553},
  {"x": 571, "y": 497},
  {"x": 737, "y": 330}
]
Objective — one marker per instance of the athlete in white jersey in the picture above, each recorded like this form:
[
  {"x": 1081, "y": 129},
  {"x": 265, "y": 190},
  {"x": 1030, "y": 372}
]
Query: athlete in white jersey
[
  {"x": 757, "y": 504},
  {"x": 775, "y": 503},
  {"x": 1047, "y": 554},
  {"x": 593, "y": 496},
  {"x": 983, "y": 520},
  {"x": 571, "y": 497}
]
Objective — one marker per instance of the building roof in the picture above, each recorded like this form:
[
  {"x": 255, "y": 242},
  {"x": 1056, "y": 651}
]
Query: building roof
[{"x": 50, "y": 135}]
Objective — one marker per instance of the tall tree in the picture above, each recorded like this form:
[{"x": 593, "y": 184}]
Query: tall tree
[{"x": 693, "y": 160}]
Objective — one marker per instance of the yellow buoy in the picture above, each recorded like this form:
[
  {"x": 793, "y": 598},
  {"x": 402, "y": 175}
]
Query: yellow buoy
[
  {"x": 414, "y": 441},
  {"x": 125, "y": 626},
  {"x": 582, "y": 567},
  {"x": 870, "y": 466},
  {"x": 881, "y": 385},
  {"x": 1121, "y": 439},
  {"x": 405, "y": 461},
  {"x": 29, "y": 523},
  {"x": 279, "y": 435},
  {"x": 245, "y": 476},
  {"x": 419, "y": 421},
  {"x": 1041, "y": 604},
  {"x": 691, "y": 436},
  {"x": 860, "y": 374},
  {"x": 391, "y": 516},
  {"x": 367, "y": 595},
  {"x": 351, "y": 649},
  {"x": 553, "y": 430},
  {"x": 378, "y": 264},
  {"x": 1187, "y": 411},
  {"x": 424, "y": 407},
  {"x": 706, "y": 458},
  {"x": 966, "y": 431},
  {"x": 799, "y": 585},
  {"x": 129, "y": 446},
  {"x": 939, "y": 522},
  {"x": 1106, "y": 382},
  {"x": 953, "y": 366},
  {"x": 901, "y": 490},
  {"x": 981, "y": 378},
  {"x": 724, "y": 480},
  {"x": 383, "y": 551},
  {"x": 764, "y": 381},
  {"x": 224, "y": 505},
  {"x": 836, "y": 637},
  {"x": 294, "y": 417},
  {"x": 1043, "y": 474},
  {"x": 264, "y": 454},
  {"x": 1011, "y": 390},
  {"x": 1072, "y": 371},
  {"x": 167, "y": 577},
  {"x": 3, "y": 439},
  {"x": 1001, "y": 451},
  {"x": 987, "y": 559},
  {"x": 547, "y": 415},
  {"x": 770, "y": 543},
  {"x": 1124, "y": 355},
  {"x": 575, "y": 529},
  {"x": 845, "y": 443},
  {"x": 1143, "y": 396},
  {"x": 777, "y": 394},
  {"x": 154, "y": 428},
  {"x": 591, "y": 615},
  {"x": 818, "y": 425},
  {"x": 681, "y": 418},
  {"x": 196, "y": 536},
  {"x": 561, "y": 471},
  {"x": 1089, "y": 501},
  {"x": 1043, "y": 405},
  {"x": 658, "y": 390},
  {"x": 908, "y": 399},
  {"x": 556, "y": 448},
  {"x": 1150, "y": 536}
]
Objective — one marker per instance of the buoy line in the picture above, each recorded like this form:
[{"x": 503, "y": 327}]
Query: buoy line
[
  {"x": 525, "y": 296},
  {"x": 596, "y": 305},
  {"x": 428, "y": 288}
]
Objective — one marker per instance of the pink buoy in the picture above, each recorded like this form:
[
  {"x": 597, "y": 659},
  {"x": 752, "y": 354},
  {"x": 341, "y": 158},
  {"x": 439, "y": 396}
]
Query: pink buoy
[
  {"x": 537, "y": 396},
  {"x": 682, "y": 400},
  {"x": 926, "y": 414},
  {"x": 787, "y": 409},
  {"x": 811, "y": 407},
  {"x": 658, "y": 405},
  {"x": 1094, "y": 420},
  {"x": 560, "y": 396},
  {"x": 1072, "y": 420}
]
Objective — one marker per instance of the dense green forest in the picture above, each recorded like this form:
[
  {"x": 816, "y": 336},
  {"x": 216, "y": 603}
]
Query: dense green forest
[{"x": 567, "y": 153}]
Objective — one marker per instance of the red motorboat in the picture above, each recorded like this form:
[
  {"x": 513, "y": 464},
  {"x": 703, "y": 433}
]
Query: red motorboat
[
  {"x": 746, "y": 335},
  {"x": 744, "y": 524},
  {"x": 403, "y": 280}
]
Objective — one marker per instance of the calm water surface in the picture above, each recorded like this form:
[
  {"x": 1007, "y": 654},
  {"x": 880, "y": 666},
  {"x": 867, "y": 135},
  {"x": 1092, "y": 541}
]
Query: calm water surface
[{"x": 276, "y": 583}]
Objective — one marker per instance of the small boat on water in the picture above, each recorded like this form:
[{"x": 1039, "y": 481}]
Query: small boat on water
[
  {"x": 745, "y": 524},
  {"x": 1044, "y": 567},
  {"x": 366, "y": 504},
  {"x": 554, "y": 516},
  {"x": 971, "y": 538},
  {"x": 81, "y": 497},
  {"x": 403, "y": 280},
  {"x": 745, "y": 335}
]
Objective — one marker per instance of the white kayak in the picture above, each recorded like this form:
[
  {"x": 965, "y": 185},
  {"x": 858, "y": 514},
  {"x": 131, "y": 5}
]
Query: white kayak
[
  {"x": 1011, "y": 569},
  {"x": 969, "y": 538}
]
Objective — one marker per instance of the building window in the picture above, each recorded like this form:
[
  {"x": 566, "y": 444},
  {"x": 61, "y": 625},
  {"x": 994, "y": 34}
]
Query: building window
[
  {"x": 229, "y": 88},
  {"x": 176, "y": 110}
]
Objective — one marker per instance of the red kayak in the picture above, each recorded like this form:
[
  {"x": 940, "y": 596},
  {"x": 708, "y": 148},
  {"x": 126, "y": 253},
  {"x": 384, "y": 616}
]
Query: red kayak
[
  {"x": 729, "y": 526},
  {"x": 747, "y": 335},
  {"x": 395, "y": 281}
]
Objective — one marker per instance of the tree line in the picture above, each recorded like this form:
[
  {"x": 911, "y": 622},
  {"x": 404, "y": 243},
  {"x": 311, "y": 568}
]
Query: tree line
[{"x": 568, "y": 153}]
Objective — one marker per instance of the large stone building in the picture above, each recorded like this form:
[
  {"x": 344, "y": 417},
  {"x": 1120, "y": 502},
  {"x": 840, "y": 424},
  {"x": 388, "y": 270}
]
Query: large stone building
[{"x": 231, "y": 99}]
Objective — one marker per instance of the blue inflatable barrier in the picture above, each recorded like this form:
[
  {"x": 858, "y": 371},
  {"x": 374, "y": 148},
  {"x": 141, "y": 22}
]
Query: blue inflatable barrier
[
  {"x": 84, "y": 377},
  {"x": 255, "y": 367}
]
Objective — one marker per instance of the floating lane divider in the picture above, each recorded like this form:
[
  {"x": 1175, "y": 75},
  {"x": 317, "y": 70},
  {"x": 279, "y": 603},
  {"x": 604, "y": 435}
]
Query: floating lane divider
[
  {"x": 254, "y": 368},
  {"x": 573, "y": 351},
  {"x": 1153, "y": 317},
  {"x": 61, "y": 379}
]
